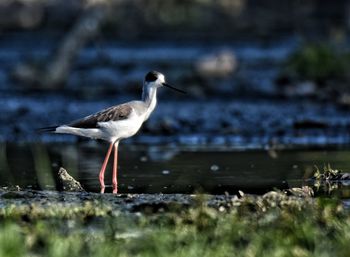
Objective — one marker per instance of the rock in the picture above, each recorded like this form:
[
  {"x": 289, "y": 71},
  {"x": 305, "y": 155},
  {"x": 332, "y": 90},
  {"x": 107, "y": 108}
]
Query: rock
[
  {"x": 344, "y": 99},
  {"x": 345, "y": 176},
  {"x": 304, "y": 191},
  {"x": 219, "y": 64},
  {"x": 68, "y": 182},
  {"x": 304, "y": 89}
]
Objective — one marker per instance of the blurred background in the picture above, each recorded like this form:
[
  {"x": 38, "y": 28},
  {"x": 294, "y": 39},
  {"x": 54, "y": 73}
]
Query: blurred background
[
  {"x": 260, "y": 75},
  {"x": 256, "y": 72}
]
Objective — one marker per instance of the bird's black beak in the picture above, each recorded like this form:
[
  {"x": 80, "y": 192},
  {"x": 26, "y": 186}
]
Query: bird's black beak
[{"x": 173, "y": 88}]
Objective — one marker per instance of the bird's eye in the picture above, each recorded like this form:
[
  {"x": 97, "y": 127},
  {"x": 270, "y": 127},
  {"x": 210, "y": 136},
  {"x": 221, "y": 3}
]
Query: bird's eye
[{"x": 151, "y": 76}]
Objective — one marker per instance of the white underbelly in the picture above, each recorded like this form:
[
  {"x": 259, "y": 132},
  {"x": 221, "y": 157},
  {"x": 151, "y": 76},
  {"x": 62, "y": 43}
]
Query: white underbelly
[{"x": 117, "y": 130}]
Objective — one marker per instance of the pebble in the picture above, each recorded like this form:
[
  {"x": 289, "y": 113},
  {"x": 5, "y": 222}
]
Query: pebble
[
  {"x": 214, "y": 167},
  {"x": 144, "y": 159}
]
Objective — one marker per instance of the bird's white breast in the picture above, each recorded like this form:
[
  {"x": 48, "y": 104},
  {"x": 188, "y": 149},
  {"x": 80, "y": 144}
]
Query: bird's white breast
[{"x": 116, "y": 130}]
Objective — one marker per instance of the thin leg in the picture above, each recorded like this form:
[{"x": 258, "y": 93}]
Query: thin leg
[
  {"x": 103, "y": 168},
  {"x": 115, "y": 169}
]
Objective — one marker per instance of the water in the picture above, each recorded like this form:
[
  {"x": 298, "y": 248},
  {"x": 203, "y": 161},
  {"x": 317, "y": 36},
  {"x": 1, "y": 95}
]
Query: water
[{"x": 169, "y": 169}]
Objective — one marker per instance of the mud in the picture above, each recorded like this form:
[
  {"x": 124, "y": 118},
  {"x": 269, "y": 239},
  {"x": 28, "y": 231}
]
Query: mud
[
  {"x": 41, "y": 202},
  {"x": 240, "y": 105},
  {"x": 238, "y": 123}
]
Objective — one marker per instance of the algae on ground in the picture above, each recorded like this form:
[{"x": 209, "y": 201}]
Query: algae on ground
[{"x": 271, "y": 225}]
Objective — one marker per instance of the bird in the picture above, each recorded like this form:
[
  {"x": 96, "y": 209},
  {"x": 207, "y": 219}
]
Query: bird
[{"x": 117, "y": 122}]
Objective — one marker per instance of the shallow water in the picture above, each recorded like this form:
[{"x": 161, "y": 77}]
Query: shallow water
[{"x": 170, "y": 169}]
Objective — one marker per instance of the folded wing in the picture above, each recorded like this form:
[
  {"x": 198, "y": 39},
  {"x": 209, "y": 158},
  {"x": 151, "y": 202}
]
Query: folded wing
[{"x": 114, "y": 113}]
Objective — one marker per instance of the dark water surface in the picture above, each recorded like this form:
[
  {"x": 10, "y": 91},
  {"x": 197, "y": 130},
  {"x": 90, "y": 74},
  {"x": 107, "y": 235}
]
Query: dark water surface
[{"x": 170, "y": 169}]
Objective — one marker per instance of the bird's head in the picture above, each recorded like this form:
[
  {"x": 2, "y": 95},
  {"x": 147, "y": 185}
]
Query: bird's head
[{"x": 157, "y": 79}]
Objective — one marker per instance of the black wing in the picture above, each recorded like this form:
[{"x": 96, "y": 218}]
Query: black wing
[{"x": 114, "y": 113}]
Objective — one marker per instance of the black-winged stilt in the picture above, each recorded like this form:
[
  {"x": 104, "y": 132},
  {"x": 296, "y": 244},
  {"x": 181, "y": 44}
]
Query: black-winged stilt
[{"x": 117, "y": 122}]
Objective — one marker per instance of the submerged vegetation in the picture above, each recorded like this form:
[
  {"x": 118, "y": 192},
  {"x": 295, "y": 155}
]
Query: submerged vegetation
[
  {"x": 274, "y": 224},
  {"x": 327, "y": 173},
  {"x": 329, "y": 179},
  {"x": 318, "y": 62}
]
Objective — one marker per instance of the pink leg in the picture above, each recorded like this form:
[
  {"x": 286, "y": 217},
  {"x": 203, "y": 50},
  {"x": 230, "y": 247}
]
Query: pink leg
[
  {"x": 115, "y": 169},
  {"x": 103, "y": 168}
]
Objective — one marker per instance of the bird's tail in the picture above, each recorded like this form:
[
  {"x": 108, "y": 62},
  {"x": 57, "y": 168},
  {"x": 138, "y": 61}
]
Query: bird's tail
[{"x": 47, "y": 129}]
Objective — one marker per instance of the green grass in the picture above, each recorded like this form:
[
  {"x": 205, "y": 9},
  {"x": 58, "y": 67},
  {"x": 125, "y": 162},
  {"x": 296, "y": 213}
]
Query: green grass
[{"x": 273, "y": 225}]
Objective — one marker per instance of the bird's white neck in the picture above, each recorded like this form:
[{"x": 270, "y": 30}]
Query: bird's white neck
[{"x": 149, "y": 97}]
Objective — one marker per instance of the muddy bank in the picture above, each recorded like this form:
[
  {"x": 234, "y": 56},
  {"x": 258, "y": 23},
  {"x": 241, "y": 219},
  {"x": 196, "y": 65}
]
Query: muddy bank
[
  {"x": 41, "y": 202},
  {"x": 243, "y": 107},
  {"x": 238, "y": 122}
]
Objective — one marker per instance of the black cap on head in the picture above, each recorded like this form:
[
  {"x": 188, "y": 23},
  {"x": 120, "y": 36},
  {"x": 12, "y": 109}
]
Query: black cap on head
[{"x": 152, "y": 76}]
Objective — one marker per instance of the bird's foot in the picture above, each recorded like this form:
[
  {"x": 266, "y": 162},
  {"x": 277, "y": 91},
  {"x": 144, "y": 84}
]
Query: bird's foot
[
  {"x": 102, "y": 184},
  {"x": 115, "y": 188}
]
